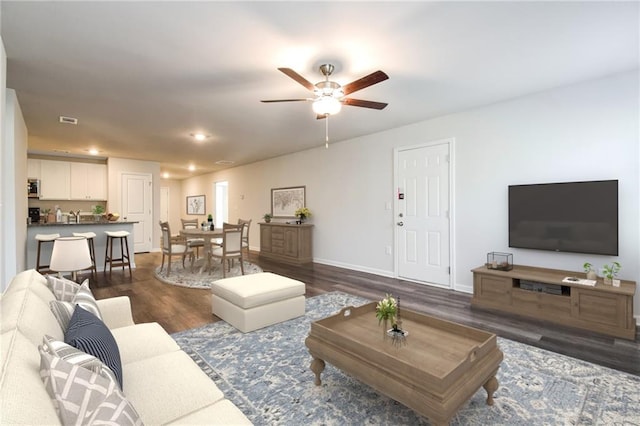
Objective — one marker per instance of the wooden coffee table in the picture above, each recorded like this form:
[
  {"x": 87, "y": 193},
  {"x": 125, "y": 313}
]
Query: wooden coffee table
[{"x": 439, "y": 368}]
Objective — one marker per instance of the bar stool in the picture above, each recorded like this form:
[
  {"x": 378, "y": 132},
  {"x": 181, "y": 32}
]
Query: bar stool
[
  {"x": 124, "y": 259},
  {"x": 92, "y": 251},
  {"x": 43, "y": 239}
]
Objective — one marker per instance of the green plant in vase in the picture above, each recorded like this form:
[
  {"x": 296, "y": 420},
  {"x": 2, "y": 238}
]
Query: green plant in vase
[
  {"x": 98, "y": 211},
  {"x": 588, "y": 269},
  {"x": 386, "y": 311},
  {"x": 610, "y": 272},
  {"x": 267, "y": 217}
]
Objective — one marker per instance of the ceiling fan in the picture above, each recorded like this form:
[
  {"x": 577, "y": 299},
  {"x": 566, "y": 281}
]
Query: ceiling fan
[{"x": 329, "y": 95}]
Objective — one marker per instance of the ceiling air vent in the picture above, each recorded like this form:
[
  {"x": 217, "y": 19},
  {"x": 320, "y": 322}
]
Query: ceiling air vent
[
  {"x": 224, "y": 162},
  {"x": 68, "y": 120}
]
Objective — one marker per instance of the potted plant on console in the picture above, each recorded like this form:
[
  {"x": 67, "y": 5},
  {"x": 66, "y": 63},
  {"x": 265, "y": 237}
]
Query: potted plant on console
[
  {"x": 610, "y": 272},
  {"x": 267, "y": 217},
  {"x": 591, "y": 274}
]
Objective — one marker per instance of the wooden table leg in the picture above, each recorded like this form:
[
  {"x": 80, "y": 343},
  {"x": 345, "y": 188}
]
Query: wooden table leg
[
  {"x": 491, "y": 386},
  {"x": 317, "y": 366}
]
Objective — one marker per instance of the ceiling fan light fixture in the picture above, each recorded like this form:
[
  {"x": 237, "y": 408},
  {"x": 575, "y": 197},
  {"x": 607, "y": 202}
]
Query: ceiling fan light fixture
[{"x": 327, "y": 105}]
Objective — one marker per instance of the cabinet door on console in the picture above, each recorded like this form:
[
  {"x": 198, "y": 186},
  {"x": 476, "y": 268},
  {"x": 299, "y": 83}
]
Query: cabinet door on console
[
  {"x": 265, "y": 239},
  {"x": 291, "y": 242},
  {"x": 492, "y": 290},
  {"x": 607, "y": 309}
]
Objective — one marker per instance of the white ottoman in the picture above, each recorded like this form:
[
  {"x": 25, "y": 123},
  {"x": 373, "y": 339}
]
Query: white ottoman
[{"x": 250, "y": 302}]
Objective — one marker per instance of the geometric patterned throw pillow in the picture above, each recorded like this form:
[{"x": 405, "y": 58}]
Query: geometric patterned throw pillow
[
  {"x": 84, "y": 397},
  {"x": 64, "y": 310},
  {"x": 62, "y": 288},
  {"x": 89, "y": 334},
  {"x": 77, "y": 357}
]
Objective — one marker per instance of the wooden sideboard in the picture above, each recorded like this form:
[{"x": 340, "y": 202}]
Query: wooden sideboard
[
  {"x": 540, "y": 293},
  {"x": 286, "y": 242}
]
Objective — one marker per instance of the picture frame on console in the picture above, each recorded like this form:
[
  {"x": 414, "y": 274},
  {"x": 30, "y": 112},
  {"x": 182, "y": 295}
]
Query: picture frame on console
[
  {"x": 285, "y": 201},
  {"x": 196, "y": 204}
]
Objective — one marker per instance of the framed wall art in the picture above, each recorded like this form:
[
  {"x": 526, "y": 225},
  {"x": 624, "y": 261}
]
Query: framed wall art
[
  {"x": 285, "y": 201},
  {"x": 196, "y": 204}
]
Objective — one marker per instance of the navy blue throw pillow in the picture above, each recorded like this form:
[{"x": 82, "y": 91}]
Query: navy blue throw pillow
[{"x": 88, "y": 333}]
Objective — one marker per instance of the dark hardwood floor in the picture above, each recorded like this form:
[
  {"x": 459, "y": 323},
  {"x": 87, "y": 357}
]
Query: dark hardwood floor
[{"x": 178, "y": 308}]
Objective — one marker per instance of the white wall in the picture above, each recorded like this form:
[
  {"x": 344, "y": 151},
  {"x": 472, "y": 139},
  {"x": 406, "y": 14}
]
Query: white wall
[
  {"x": 6, "y": 175},
  {"x": 15, "y": 134},
  {"x": 586, "y": 131}
]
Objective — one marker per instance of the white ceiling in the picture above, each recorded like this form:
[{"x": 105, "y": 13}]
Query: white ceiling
[{"x": 142, "y": 76}]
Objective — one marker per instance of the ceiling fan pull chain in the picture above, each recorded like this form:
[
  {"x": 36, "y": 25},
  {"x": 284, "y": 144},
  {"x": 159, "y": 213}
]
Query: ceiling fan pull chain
[{"x": 326, "y": 132}]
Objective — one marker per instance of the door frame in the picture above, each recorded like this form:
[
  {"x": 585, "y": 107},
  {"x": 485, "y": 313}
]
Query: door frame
[{"x": 450, "y": 142}]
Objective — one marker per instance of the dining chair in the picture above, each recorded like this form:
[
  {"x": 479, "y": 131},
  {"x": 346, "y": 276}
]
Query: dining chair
[
  {"x": 193, "y": 242},
  {"x": 245, "y": 235},
  {"x": 174, "y": 246},
  {"x": 230, "y": 249}
]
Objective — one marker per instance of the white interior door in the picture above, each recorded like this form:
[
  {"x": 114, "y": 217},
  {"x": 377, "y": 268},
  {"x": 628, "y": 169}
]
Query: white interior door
[
  {"x": 422, "y": 214},
  {"x": 136, "y": 206}
]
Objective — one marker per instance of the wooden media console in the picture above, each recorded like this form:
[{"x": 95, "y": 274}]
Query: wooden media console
[{"x": 540, "y": 293}]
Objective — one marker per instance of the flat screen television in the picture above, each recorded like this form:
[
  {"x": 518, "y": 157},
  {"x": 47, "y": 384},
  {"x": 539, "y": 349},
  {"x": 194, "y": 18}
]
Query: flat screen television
[{"x": 578, "y": 217}]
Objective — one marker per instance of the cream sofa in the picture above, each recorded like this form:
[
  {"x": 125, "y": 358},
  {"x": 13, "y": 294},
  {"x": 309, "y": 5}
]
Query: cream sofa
[{"x": 161, "y": 381}]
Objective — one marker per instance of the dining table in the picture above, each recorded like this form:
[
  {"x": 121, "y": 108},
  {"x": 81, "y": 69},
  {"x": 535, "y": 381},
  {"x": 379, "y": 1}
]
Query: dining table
[{"x": 207, "y": 235}]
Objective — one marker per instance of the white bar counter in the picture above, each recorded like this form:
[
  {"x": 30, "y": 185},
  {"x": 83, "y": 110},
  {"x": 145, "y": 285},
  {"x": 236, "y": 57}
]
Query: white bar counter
[{"x": 67, "y": 230}]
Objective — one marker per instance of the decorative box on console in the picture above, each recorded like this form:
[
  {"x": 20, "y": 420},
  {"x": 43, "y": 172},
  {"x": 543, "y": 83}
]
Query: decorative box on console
[{"x": 499, "y": 261}]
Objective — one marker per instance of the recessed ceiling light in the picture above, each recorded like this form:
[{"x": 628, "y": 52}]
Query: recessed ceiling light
[
  {"x": 199, "y": 136},
  {"x": 165, "y": 175},
  {"x": 94, "y": 151},
  {"x": 192, "y": 167}
]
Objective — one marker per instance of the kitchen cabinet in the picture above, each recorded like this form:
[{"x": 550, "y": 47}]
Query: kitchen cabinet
[
  {"x": 33, "y": 168},
  {"x": 55, "y": 179},
  {"x": 88, "y": 181}
]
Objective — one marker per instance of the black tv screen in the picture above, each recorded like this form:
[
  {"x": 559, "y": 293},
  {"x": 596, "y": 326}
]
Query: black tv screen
[{"x": 578, "y": 217}]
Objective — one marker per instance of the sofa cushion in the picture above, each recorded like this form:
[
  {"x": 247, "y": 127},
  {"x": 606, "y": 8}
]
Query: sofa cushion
[
  {"x": 23, "y": 398},
  {"x": 89, "y": 334},
  {"x": 82, "y": 396},
  {"x": 132, "y": 348},
  {"x": 221, "y": 413},
  {"x": 27, "y": 279},
  {"x": 30, "y": 314},
  {"x": 153, "y": 382},
  {"x": 62, "y": 288},
  {"x": 77, "y": 357},
  {"x": 83, "y": 297}
]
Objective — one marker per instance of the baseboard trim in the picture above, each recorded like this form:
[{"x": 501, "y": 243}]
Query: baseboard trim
[{"x": 381, "y": 272}]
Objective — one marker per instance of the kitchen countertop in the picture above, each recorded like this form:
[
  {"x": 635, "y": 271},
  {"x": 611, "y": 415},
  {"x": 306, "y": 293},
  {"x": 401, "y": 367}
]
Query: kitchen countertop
[{"x": 117, "y": 222}]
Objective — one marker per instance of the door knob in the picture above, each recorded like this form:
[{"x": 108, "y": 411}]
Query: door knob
[{"x": 400, "y": 223}]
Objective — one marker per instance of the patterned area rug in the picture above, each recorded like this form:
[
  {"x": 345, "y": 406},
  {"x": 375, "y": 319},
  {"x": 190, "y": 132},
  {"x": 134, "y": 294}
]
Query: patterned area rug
[
  {"x": 266, "y": 374},
  {"x": 185, "y": 278}
]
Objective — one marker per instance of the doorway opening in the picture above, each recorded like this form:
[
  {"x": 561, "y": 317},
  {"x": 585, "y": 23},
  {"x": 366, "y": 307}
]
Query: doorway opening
[{"x": 221, "y": 190}]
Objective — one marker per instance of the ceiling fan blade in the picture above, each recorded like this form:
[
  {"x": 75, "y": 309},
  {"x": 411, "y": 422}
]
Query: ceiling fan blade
[
  {"x": 365, "y": 104},
  {"x": 285, "y": 100},
  {"x": 365, "y": 81},
  {"x": 297, "y": 77}
]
